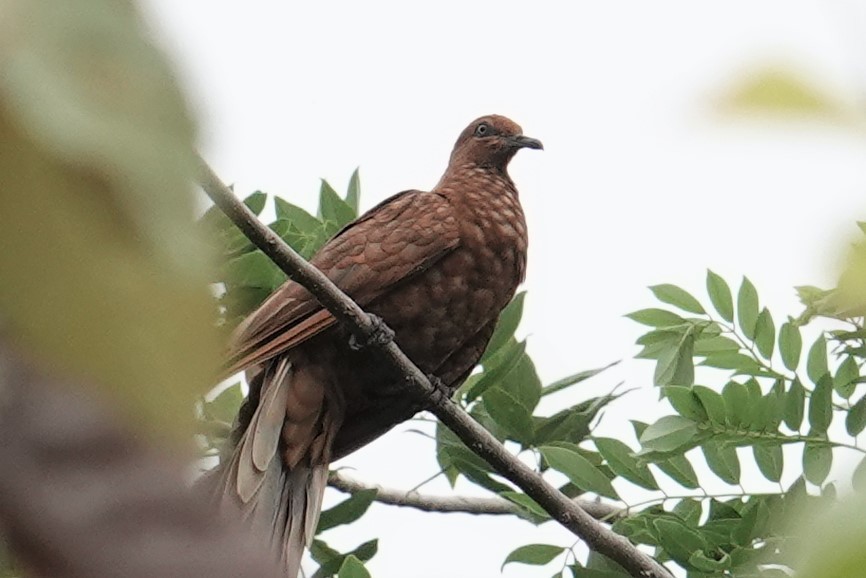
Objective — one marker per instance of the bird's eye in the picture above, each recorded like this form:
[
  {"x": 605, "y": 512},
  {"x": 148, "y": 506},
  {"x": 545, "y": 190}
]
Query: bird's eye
[{"x": 482, "y": 129}]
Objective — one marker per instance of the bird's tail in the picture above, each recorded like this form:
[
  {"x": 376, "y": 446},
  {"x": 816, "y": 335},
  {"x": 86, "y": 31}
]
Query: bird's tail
[{"x": 276, "y": 502}]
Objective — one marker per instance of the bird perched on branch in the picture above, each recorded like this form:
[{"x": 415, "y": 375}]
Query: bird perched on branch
[{"x": 437, "y": 268}]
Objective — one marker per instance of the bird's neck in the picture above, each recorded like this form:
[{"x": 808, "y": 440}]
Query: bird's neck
[{"x": 462, "y": 178}]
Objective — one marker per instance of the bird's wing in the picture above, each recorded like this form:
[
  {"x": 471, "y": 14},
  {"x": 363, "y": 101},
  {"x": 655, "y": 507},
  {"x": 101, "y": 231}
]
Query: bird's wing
[{"x": 393, "y": 241}]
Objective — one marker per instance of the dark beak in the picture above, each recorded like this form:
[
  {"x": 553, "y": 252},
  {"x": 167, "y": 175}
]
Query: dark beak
[{"x": 520, "y": 141}]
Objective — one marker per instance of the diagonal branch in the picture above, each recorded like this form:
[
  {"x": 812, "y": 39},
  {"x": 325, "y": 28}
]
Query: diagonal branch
[
  {"x": 597, "y": 536},
  {"x": 459, "y": 504}
]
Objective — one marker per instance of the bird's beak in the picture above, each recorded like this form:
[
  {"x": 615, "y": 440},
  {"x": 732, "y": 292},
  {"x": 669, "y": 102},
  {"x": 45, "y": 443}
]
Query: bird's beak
[{"x": 519, "y": 141}]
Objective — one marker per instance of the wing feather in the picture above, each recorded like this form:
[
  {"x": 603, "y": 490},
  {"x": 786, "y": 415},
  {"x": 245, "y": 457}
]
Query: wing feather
[{"x": 395, "y": 240}]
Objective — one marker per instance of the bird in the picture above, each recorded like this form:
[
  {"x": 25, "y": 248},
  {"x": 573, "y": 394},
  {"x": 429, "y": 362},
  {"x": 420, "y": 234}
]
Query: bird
[{"x": 435, "y": 269}]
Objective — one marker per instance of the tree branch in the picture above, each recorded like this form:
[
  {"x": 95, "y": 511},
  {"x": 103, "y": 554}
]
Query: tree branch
[
  {"x": 458, "y": 504},
  {"x": 597, "y": 536}
]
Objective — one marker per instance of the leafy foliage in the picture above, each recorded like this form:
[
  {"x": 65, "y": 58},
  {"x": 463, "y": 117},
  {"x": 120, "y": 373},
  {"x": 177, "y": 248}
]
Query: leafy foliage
[
  {"x": 761, "y": 405},
  {"x": 245, "y": 274},
  {"x": 735, "y": 380}
]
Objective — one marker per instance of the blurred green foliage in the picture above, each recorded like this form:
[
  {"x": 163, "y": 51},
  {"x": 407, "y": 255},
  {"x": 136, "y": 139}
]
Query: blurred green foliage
[{"x": 104, "y": 278}]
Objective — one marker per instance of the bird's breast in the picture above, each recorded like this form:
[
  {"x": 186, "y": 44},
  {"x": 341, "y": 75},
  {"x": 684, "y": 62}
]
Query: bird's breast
[{"x": 437, "y": 311}]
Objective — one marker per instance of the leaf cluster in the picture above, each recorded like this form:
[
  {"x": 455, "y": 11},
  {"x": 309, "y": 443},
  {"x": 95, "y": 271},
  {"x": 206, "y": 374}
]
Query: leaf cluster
[
  {"x": 773, "y": 392},
  {"x": 245, "y": 275}
]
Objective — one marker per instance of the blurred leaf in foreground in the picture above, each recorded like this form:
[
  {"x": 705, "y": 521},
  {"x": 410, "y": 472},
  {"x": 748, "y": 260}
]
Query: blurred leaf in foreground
[
  {"x": 102, "y": 275},
  {"x": 835, "y": 547},
  {"x": 775, "y": 91}
]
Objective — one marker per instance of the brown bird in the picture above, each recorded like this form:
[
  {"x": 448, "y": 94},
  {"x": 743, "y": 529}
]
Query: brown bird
[{"x": 437, "y": 267}]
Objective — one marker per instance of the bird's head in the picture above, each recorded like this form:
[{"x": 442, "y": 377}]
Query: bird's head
[{"x": 491, "y": 142}]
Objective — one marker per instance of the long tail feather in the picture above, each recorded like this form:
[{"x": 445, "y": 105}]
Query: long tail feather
[{"x": 280, "y": 504}]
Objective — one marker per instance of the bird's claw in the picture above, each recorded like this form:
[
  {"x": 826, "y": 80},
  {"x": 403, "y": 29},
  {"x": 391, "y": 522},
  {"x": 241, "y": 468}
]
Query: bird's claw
[
  {"x": 380, "y": 335},
  {"x": 440, "y": 389}
]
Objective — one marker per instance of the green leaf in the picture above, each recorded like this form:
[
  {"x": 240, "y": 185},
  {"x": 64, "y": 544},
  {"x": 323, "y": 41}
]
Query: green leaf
[
  {"x": 523, "y": 383},
  {"x": 332, "y": 208},
  {"x": 455, "y": 458},
  {"x": 704, "y": 563},
  {"x": 746, "y": 529},
  {"x": 224, "y": 407},
  {"x": 673, "y": 295},
  {"x": 240, "y": 301},
  {"x": 684, "y": 400},
  {"x": 737, "y": 404},
  {"x": 720, "y": 295},
  {"x": 718, "y": 344},
  {"x": 331, "y": 560},
  {"x": 729, "y": 360},
  {"x": 676, "y": 366},
  {"x": 215, "y": 220},
  {"x": 507, "y": 324},
  {"x": 353, "y": 193},
  {"x": 566, "y": 425},
  {"x": 323, "y": 554},
  {"x": 256, "y": 202},
  {"x": 795, "y": 401},
  {"x": 669, "y": 434},
  {"x": 855, "y": 421},
  {"x": 723, "y": 461},
  {"x": 303, "y": 221},
  {"x": 845, "y": 380},
  {"x": 620, "y": 458},
  {"x": 476, "y": 474},
  {"x": 579, "y": 470},
  {"x": 821, "y": 405},
  {"x": 496, "y": 367},
  {"x": 253, "y": 269},
  {"x": 816, "y": 363},
  {"x": 637, "y": 528},
  {"x": 689, "y": 510},
  {"x": 680, "y": 470},
  {"x": 810, "y": 296},
  {"x": 755, "y": 404},
  {"x": 574, "y": 379},
  {"x": 509, "y": 413},
  {"x": 772, "y": 409},
  {"x": 770, "y": 460},
  {"x": 678, "y": 540},
  {"x": 534, "y": 554},
  {"x": 346, "y": 511},
  {"x": 765, "y": 333},
  {"x": 747, "y": 308},
  {"x": 527, "y": 503},
  {"x": 571, "y": 424},
  {"x": 366, "y": 550},
  {"x": 712, "y": 402},
  {"x": 656, "y": 317},
  {"x": 790, "y": 345},
  {"x": 817, "y": 460},
  {"x": 353, "y": 568}
]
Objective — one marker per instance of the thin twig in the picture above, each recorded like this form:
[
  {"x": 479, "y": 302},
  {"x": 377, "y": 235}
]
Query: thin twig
[
  {"x": 459, "y": 504},
  {"x": 597, "y": 536}
]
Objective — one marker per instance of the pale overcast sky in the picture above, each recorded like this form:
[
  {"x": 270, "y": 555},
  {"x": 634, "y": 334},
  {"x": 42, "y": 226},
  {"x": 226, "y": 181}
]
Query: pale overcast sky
[{"x": 640, "y": 183}]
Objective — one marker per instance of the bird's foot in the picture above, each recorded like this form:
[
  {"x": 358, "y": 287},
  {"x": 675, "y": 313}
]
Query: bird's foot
[
  {"x": 381, "y": 335},
  {"x": 440, "y": 389}
]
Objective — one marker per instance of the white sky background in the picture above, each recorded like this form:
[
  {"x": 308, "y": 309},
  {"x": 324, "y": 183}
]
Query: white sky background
[{"x": 640, "y": 183}]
